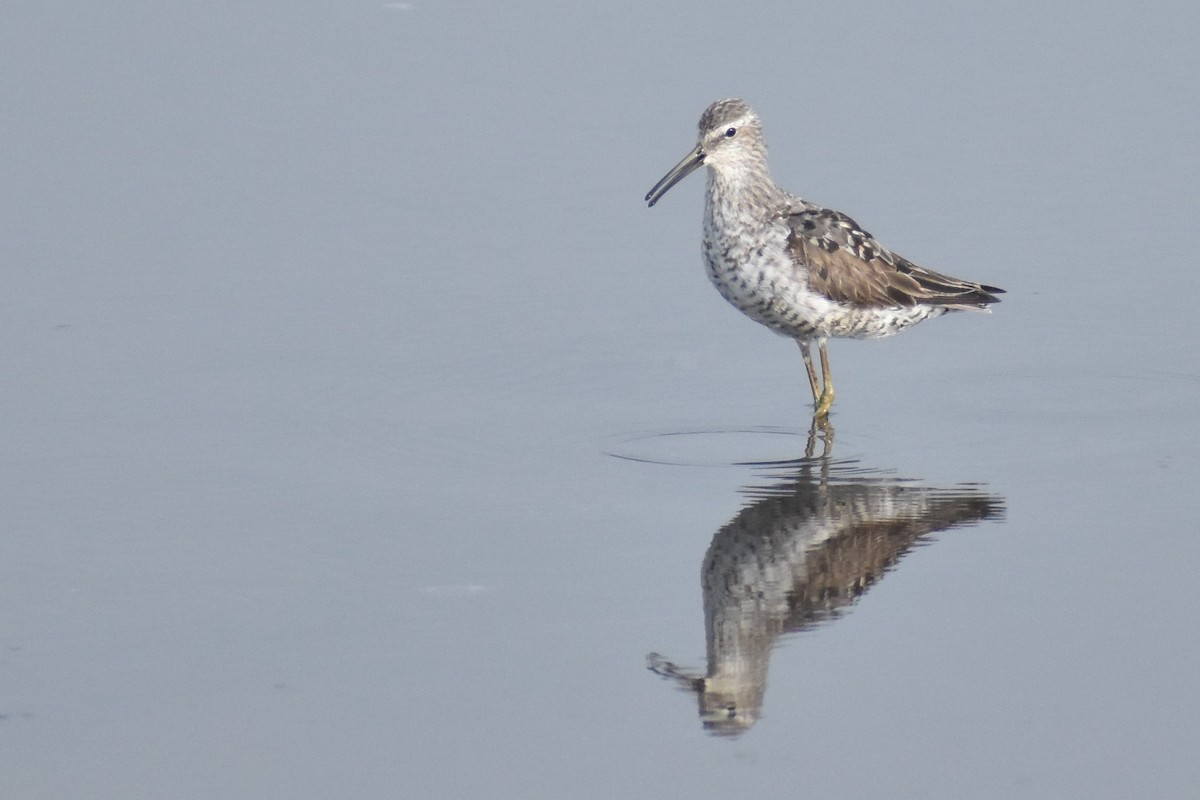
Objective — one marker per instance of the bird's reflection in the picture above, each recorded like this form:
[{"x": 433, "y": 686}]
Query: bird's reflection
[{"x": 801, "y": 552}]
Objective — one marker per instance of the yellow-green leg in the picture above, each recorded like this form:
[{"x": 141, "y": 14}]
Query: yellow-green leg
[
  {"x": 812, "y": 373},
  {"x": 825, "y": 401}
]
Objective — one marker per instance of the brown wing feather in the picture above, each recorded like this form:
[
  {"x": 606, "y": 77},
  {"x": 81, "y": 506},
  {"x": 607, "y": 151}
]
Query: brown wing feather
[{"x": 847, "y": 265}]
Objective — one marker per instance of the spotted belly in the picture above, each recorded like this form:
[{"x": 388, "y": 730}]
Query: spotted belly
[
  {"x": 762, "y": 287},
  {"x": 774, "y": 293},
  {"x": 875, "y": 323}
]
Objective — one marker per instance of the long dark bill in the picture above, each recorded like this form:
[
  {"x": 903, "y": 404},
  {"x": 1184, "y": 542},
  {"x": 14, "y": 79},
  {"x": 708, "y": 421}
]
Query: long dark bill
[{"x": 680, "y": 171}]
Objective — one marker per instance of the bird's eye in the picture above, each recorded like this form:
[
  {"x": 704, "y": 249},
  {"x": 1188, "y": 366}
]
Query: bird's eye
[{"x": 729, "y": 134}]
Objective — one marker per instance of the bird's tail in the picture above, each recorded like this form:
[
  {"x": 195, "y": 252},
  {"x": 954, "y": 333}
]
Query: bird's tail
[{"x": 942, "y": 290}]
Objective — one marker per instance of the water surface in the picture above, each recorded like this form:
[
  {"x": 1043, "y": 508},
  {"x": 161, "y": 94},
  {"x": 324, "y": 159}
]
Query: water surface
[{"x": 364, "y": 432}]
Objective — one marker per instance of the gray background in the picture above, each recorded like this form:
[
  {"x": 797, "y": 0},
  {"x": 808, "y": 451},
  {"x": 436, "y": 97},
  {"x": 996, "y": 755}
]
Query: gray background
[{"x": 321, "y": 326}]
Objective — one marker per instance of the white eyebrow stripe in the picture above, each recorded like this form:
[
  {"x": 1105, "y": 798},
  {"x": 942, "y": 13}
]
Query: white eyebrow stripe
[{"x": 745, "y": 119}]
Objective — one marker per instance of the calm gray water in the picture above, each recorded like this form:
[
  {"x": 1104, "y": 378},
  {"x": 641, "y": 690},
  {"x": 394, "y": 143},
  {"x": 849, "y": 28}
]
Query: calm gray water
[{"x": 364, "y": 435}]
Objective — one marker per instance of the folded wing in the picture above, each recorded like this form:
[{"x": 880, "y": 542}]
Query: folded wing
[{"x": 847, "y": 265}]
